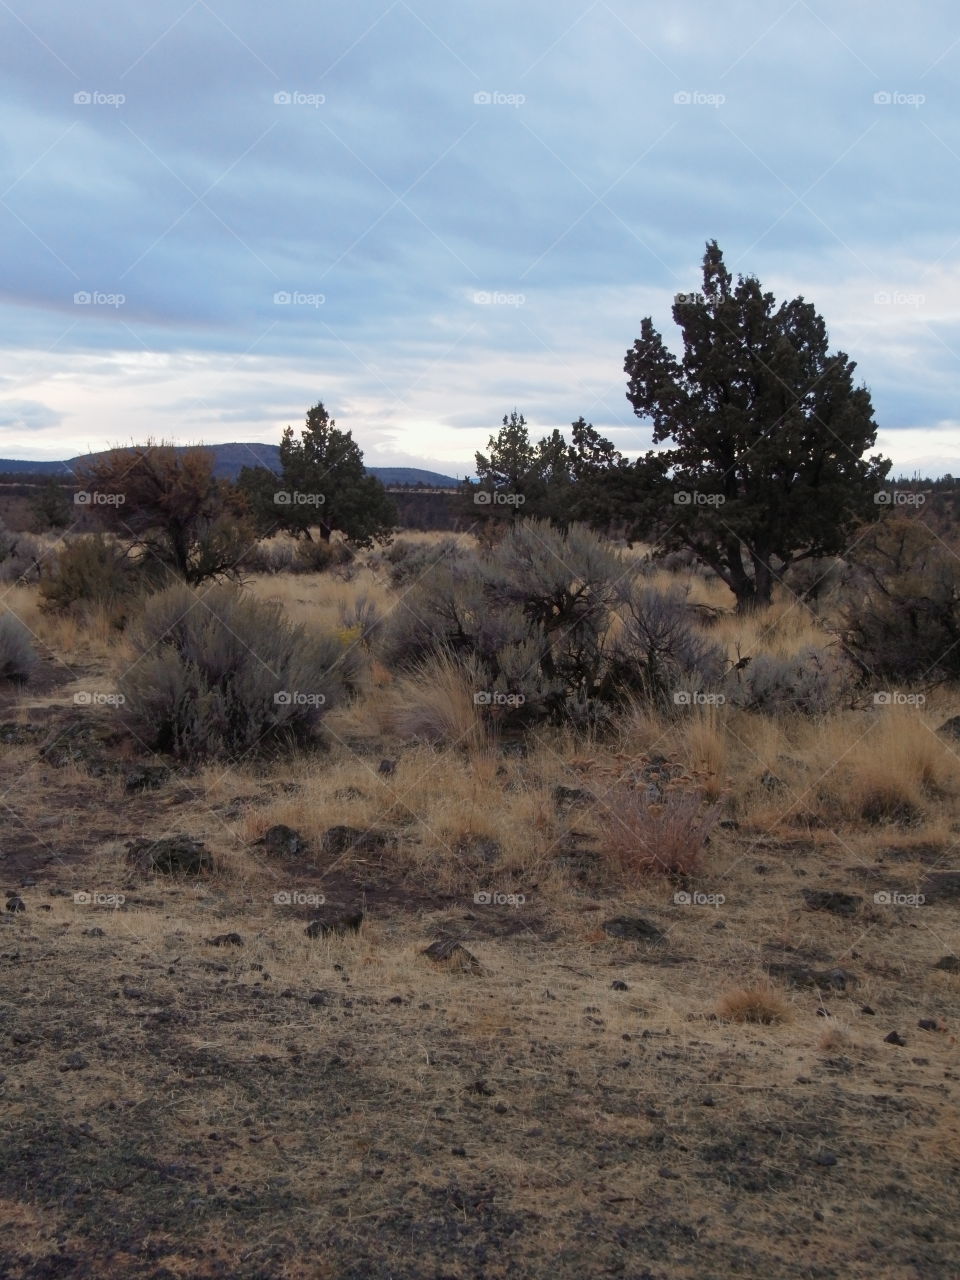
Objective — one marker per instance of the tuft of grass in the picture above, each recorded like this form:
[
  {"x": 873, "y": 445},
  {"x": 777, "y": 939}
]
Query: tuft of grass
[
  {"x": 435, "y": 703},
  {"x": 760, "y": 1004},
  {"x": 641, "y": 835}
]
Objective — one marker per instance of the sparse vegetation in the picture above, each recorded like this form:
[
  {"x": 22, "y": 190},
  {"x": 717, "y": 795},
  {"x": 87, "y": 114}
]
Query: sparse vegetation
[{"x": 215, "y": 674}]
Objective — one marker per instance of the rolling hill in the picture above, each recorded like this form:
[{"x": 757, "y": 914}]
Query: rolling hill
[{"x": 229, "y": 458}]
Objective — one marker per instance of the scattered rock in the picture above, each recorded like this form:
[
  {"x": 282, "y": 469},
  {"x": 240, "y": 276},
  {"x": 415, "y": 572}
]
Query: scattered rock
[
  {"x": 941, "y": 886},
  {"x": 826, "y": 1158},
  {"x": 928, "y": 1024},
  {"x": 801, "y": 975},
  {"x": 950, "y": 964},
  {"x": 568, "y": 796},
  {"x": 871, "y": 1013},
  {"x": 481, "y": 849},
  {"x": 225, "y": 940},
  {"x": 386, "y": 767},
  {"x": 894, "y": 1038},
  {"x": 346, "y": 922},
  {"x": 281, "y": 841},
  {"x": 75, "y": 1062},
  {"x": 729, "y": 824},
  {"x": 18, "y": 735},
  {"x": 633, "y": 929},
  {"x": 146, "y": 777},
  {"x": 770, "y": 781},
  {"x": 951, "y": 728},
  {"x": 321, "y": 998},
  {"x": 452, "y": 954},
  {"x": 840, "y": 904},
  {"x": 617, "y": 985},
  {"x": 170, "y": 855},
  {"x": 341, "y": 839},
  {"x": 15, "y": 902},
  {"x": 95, "y": 932}
]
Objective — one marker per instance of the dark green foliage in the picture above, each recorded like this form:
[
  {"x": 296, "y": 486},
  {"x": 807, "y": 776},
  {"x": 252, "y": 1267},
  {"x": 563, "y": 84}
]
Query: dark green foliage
[
  {"x": 767, "y": 428},
  {"x": 219, "y": 674},
  {"x": 903, "y": 617},
  {"x": 323, "y": 486},
  {"x": 51, "y": 507}
]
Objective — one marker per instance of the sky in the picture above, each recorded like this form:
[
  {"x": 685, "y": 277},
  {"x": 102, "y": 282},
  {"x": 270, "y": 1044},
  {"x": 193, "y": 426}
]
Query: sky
[{"x": 214, "y": 215}]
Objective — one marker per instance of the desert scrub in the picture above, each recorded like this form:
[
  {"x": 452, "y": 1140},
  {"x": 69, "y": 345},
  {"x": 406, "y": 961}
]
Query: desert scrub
[
  {"x": 93, "y": 570},
  {"x": 220, "y": 675},
  {"x": 17, "y": 654}
]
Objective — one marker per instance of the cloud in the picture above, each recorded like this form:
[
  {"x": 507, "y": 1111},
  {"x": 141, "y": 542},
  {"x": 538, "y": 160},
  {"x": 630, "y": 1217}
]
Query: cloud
[
  {"x": 604, "y": 154},
  {"x": 27, "y": 415}
]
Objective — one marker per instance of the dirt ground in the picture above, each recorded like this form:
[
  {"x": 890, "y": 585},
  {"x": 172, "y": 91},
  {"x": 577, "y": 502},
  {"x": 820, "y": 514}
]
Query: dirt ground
[{"x": 573, "y": 1104}]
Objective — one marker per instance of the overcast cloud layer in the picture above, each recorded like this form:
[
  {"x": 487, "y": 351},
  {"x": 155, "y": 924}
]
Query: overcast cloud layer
[{"x": 424, "y": 214}]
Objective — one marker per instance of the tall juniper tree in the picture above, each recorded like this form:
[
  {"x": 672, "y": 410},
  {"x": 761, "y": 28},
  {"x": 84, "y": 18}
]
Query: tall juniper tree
[{"x": 768, "y": 433}]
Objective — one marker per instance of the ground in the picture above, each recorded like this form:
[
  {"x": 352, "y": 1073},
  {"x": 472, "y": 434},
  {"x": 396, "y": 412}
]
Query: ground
[{"x": 573, "y": 1104}]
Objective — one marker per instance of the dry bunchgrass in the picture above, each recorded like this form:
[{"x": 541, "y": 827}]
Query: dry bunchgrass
[
  {"x": 437, "y": 704},
  {"x": 641, "y": 836},
  {"x": 761, "y": 1004}
]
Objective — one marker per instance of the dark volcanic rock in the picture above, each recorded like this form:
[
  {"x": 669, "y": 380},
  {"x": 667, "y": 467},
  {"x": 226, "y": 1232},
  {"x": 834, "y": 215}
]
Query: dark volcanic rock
[
  {"x": 342, "y": 839},
  {"x": 951, "y": 728},
  {"x": 801, "y": 975},
  {"x": 345, "y": 922},
  {"x": 146, "y": 777},
  {"x": 941, "y": 886},
  {"x": 451, "y": 953},
  {"x": 282, "y": 841},
  {"x": 225, "y": 940},
  {"x": 950, "y": 964},
  {"x": 633, "y": 929},
  {"x": 170, "y": 855},
  {"x": 840, "y": 904}
]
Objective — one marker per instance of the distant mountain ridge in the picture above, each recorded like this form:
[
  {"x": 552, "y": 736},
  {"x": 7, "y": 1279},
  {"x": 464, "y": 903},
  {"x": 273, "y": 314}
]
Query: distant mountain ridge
[{"x": 228, "y": 459}]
